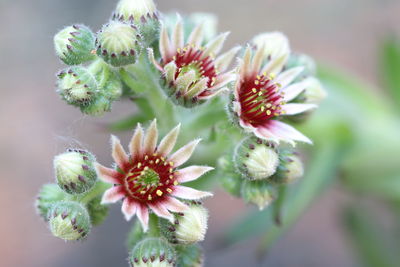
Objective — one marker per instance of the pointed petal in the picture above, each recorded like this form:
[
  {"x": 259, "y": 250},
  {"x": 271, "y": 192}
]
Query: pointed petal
[
  {"x": 224, "y": 79},
  {"x": 113, "y": 195},
  {"x": 143, "y": 216},
  {"x": 275, "y": 65},
  {"x": 168, "y": 142},
  {"x": 286, "y": 77},
  {"x": 215, "y": 45},
  {"x": 135, "y": 145},
  {"x": 177, "y": 37},
  {"x": 294, "y": 108},
  {"x": 150, "y": 54},
  {"x": 245, "y": 64},
  {"x": 150, "y": 140},
  {"x": 198, "y": 88},
  {"x": 215, "y": 93},
  {"x": 174, "y": 205},
  {"x": 129, "y": 208},
  {"x": 184, "y": 81},
  {"x": 264, "y": 133},
  {"x": 286, "y": 132},
  {"x": 170, "y": 71},
  {"x": 108, "y": 175},
  {"x": 161, "y": 211},
  {"x": 192, "y": 173},
  {"x": 165, "y": 44},
  {"x": 184, "y": 153},
  {"x": 189, "y": 193},
  {"x": 196, "y": 37},
  {"x": 118, "y": 153},
  {"x": 258, "y": 59},
  {"x": 292, "y": 91},
  {"x": 223, "y": 61}
]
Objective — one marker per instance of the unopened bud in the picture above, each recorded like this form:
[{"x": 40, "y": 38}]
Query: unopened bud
[
  {"x": 98, "y": 107},
  {"x": 275, "y": 44},
  {"x": 48, "y": 195},
  {"x": 74, "y": 171},
  {"x": 69, "y": 221},
  {"x": 189, "y": 226},
  {"x": 153, "y": 252},
  {"x": 74, "y": 44},
  {"x": 118, "y": 43},
  {"x": 291, "y": 169},
  {"x": 256, "y": 159},
  {"x": 259, "y": 193}
]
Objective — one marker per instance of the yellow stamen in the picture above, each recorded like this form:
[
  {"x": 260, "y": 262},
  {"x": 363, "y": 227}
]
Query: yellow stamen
[{"x": 159, "y": 193}]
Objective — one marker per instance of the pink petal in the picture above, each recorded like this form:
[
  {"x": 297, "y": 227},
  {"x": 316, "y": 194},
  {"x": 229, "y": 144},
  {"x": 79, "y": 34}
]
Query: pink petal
[
  {"x": 258, "y": 59},
  {"x": 275, "y": 65},
  {"x": 223, "y": 61},
  {"x": 183, "y": 154},
  {"x": 161, "y": 211},
  {"x": 286, "y": 77},
  {"x": 165, "y": 44},
  {"x": 118, "y": 153},
  {"x": 292, "y": 91},
  {"x": 143, "y": 216},
  {"x": 192, "y": 173},
  {"x": 215, "y": 45},
  {"x": 294, "y": 108},
  {"x": 150, "y": 140},
  {"x": 135, "y": 145},
  {"x": 286, "y": 132},
  {"x": 177, "y": 37},
  {"x": 174, "y": 205},
  {"x": 189, "y": 193},
  {"x": 196, "y": 37},
  {"x": 168, "y": 142},
  {"x": 129, "y": 208},
  {"x": 108, "y": 175},
  {"x": 223, "y": 80},
  {"x": 245, "y": 64},
  {"x": 113, "y": 195}
]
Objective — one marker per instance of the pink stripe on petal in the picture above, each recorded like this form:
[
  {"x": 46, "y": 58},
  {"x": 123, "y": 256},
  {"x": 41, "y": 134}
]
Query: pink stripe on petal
[
  {"x": 161, "y": 211},
  {"x": 129, "y": 208},
  {"x": 108, "y": 175},
  {"x": 286, "y": 132},
  {"x": 189, "y": 193},
  {"x": 143, "y": 216},
  {"x": 118, "y": 153},
  {"x": 183, "y": 154},
  {"x": 174, "y": 205},
  {"x": 113, "y": 195},
  {"x": 191, "y": 173},
  {"x": 292, "y": 109}
]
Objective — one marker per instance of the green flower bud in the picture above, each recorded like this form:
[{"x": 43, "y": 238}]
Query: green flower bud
[
  {"x": 290, "y": 170},
  {"x": 256, "y": 159},
  {"x": 189, "y": 227},
  {"x": 48, "y": 195},
  {"x": 77, "y": 86},
  {"x": 118, "y": 43},
  {"x": 98, "y": 212},
  {"x": 75, "y": 172},
  {"x": 98, "y": 107},
  {"x": 69, "y": 221},
  {"x": 153, "y": 252},
  {"x": 137, "y": 11},
  {"x": 230, "y": 180},
  {"x": 74, "y": 44},
  {"x": 259, "y": 193},
  {"x": 190, "y": 256}
]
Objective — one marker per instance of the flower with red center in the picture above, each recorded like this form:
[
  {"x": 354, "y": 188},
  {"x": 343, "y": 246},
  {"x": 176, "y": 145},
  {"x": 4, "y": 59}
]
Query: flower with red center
[
  {"x": 148, "y": 177},
  {"x": 193, "y": 73},
  {"x": 262, "y": 93}
]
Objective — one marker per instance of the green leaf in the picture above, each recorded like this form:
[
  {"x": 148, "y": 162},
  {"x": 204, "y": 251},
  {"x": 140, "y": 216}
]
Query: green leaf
[{"x": 390, "y": 68}]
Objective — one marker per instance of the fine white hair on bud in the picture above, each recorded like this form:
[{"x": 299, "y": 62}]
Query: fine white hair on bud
[
  {"x": 48, "y": 195},
  {"x": 153, "y": 252},
  {"x": 75, "y": 171},
  {"x": 69, "y": 221},
  {"x": 259, "y": 193},
  {"x": 256, "y": 159},
  {"x": 74, "y": 44},
  {"x": 135, "y": 10}
]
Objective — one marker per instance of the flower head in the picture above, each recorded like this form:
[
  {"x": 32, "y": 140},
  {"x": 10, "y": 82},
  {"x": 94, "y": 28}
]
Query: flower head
[
  {"x": 262, "y": 93},
  {"x": 192, "y": 72},
  {"x": 148, "y": 177}
]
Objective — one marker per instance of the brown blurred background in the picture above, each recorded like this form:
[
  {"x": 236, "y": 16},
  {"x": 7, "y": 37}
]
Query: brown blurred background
[{"x": 35, "y": 124}]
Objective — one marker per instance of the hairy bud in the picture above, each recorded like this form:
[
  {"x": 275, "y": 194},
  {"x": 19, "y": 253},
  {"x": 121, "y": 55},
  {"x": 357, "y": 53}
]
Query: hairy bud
[
  {"x": 190, "y": 256},
  {"x": 74, "y": 44},
  {"x": 290, "y": 170},
  {"x": 74, "y": 170},
  {"x": 69, "y": 221},
  {"x": 98, "y": 107},
  {"x": 48, "y": 195},
  {"x": 118, "y": 43},
  {"x": 259, "y": 193},
  {"x": 153, "y": 252},
  {"x": 189, "y": 227}
]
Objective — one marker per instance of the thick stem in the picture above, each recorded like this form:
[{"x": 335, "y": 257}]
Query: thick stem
[
  {"x": 154, "y": 230},
  {"x": 98, "y": 190}
]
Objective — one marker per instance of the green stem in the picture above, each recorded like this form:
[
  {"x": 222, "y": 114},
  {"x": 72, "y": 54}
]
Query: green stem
[
  {"x": 154, "y": 230},
  {"x": 98, "y": 190}
]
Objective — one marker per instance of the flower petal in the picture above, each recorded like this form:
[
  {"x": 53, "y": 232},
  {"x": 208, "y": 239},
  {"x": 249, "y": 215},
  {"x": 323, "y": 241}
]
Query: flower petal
[
  {"x": 223, "y": 61},
  {"x": 135, "y": 145},
  {"x": 118, "y": 153},
  {"x": 292, "y": 91},
  {"x": 215, "y": 45},
  {"x": 294, "y": 108},
  {"x": 168, "y": 142},
  {"x": 198, "y": 88},
  {"x": 174, "y": 205},
  {"x": 184, "y": 153},
  {"x": 192, "y": 173},
  {"x": 170, "y": 71},
  {"x": 129, "y": 208},
  {"x": 113, "y": 195},
  {"x": 161, "y": 211},
  {"x": 143, "y": 216},
  {"x": 189, "y": 193},
  {"x": 151, "y": 138},
  {"x": 177, "y": 37},
  {"x": 245, "y": 64},
  {"x": 196, "y": 37},
  {"x": 286, "y": 77},
  {"x": 286, "y": 132},
  {"x": 165, "y": 44},
  {"x": 258, "y": 59},
  {"x": 150, "y": 54},
  {"x": 108, "y": 175},
  {"x": 275, "y": 65},
  {"x": 224, "y": 79}
]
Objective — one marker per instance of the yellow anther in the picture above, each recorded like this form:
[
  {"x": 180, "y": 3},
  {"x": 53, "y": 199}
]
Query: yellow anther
[
  {"x": 159, "y": 193},
  {"x": 149, "y": 198},
  {"x": 256, "y": 82},
  {"x": 171, "y": 170},
  {"x": 146, "y": 168},
  {"x": 254, "y": 90},
  {"x": 171, "y": 163},
  {"x": 142, "y": 192},
  {"x": 139, "y": 165},
  {"x": 171, "y": 177},
  {"x": 262, "y": 108},
  {"x": 268, "y": 112},
  {"x": 176, "y": 183},
  {"x": 279, "y": 85},
  {"x": 146, "y": 157},
  {"x": 155, "y": 155},
  {"x": 169, "y": 190},
  {"x": 157, "y": 161},
  {"x": 260, "y": 93}
]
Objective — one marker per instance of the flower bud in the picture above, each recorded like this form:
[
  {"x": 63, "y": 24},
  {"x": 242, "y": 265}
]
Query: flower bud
[
  {"x": 291, "y": 169},
  {"x": 74, "y": 171},
  {"x": 74, "y": 44},
  {"x": 69, "y": 221},
  {"x": 259, "y": 193},
  {"x": 256, "y": 159},
  {"x": 275, "y": 44},
  {"x": 189, "y": 226},
  {"x": 98, "y": 107},
  {"x": 48, "y": 195},
  {"x": 98, "y": 212},
  {"x": 302, "y": 60},
  {"x": 153, "y": 252},
  {"x": 190, "y": 256},
  {"x": 77, "y": 86},
  {"x": 118, "y": 43}
]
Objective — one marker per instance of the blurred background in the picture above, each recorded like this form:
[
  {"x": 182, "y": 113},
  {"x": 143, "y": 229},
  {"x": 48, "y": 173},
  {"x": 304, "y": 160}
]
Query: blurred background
[{"x": 349, "y": 37}]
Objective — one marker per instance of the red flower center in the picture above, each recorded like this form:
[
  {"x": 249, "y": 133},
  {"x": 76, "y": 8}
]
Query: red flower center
[
  {"x": 150, "y": 179},
  {"x": 260, "y": 100}
]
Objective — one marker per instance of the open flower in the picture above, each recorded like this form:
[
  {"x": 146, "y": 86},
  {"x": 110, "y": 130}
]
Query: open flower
[
  {"x": 192, "y": 72},
  {"x": 262, "y": 93},
  {"x": 148, "y": 177}
]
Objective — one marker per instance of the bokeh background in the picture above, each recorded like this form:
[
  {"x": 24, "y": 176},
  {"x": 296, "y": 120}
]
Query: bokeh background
[{"x": 35, "y": 124}]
